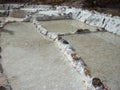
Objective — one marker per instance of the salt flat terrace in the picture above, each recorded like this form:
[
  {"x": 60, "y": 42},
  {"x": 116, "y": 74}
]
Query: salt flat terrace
[
  {"x": 65, "y": 26},
  {"x": 100, "y": 50},
  {"x": 33, "y": 63}
]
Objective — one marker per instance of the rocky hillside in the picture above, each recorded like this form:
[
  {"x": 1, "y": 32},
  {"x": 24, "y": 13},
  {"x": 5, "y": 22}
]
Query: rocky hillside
[
  {"x": 106, "y": 6},
  {"x": 80, "y": 2}
]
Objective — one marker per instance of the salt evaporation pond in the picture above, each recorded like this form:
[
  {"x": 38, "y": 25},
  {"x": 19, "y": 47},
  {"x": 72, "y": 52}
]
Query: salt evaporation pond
[
  {"x": 100, "y": 50},
  {"x": 32, "y": 62},
  {"x": 65, "y": 25}
]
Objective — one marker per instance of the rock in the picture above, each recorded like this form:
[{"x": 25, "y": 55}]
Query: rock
[
  {"x": 39, "y": 27},
  {"x": 54, "y": 36},
  {"x": 44, "y": 31},
  {"x": 0, "y": 56},
  {"x": 96, "y": 82},
  {"x": 84, "y": 15},
  {"x": 27, "y": 18},
  {"x": 113, "y": 25},
  {"x": 65, "y": 42},
  {"x": 80, "y": 31},
  {"x": 70, "y": 15},
  {"x": 4, "y": 13},
  {"x": 1, "y": 69},
  {"x": 2, "y": 88},
  {"x": 0, "y": 49},
  {"x": 74, "y": 56},
  {"x": 49, "y": 35}
]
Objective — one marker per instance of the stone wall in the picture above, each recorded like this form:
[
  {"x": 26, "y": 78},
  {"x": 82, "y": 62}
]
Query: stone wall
[{"x": 100, "y": 20}]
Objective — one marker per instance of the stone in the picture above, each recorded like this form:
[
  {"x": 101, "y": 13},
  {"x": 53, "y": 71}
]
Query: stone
[
  {"x": 0, "y": 56},
  {"x": 44, "y": 31},
  {"x": 80, "y": 31},
  {"x": 39, "y": 27},
  {"x": 1, "y": 68},
  {"x": 0, "y": 49},
  {"x": 96, "y": 82},
  {"x": 75, "y": 56},
  {"x": 84, "y": 15},
  {"x": 113, "y": 25},
  {"x": 2, "y": 88},
  {"x": 49, "y": 35},
  {"x": 54, "y": 36},
  {"x": 27, "y": 18}
]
